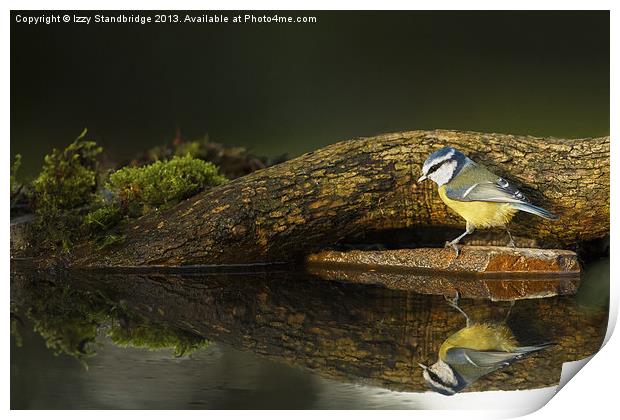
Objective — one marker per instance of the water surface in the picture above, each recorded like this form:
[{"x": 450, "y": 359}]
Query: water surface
[{"x": 269, "y": 340}]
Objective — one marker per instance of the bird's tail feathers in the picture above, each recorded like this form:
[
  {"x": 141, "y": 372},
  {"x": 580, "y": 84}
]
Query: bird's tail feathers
[
  {"x": 538, "y": 211},
  {"x": 530, "y": 349}
]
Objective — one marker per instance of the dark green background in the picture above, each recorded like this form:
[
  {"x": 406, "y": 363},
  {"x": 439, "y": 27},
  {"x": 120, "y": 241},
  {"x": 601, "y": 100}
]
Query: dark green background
[{"x": 294, "y": 87}]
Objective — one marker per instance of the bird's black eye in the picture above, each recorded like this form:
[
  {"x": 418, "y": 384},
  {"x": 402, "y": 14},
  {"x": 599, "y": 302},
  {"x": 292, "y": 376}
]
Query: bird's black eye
[
  {"x": 434, "y": 377},
  {"x": 435, "y": 167}
]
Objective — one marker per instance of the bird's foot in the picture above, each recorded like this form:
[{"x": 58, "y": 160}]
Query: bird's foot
[
  {"x": 453, "y": 301},
  {"x": 454, "y": 246},
  {"x": 509, "y": 311},
  {"x": 511, "y": 242}
]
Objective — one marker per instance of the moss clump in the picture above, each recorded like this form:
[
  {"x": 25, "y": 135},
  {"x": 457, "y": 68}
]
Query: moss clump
[
  {"x": 67, "y": 182},
  {"x": 162, "y": 183},
  {"x": 71, "y": 335},
  {"x": 68, "y": 178},
  {"x": 66, "y": 319},
  {"x": 137, "y": 191},
  {"x": 72, "y": 321},
  {"x": 103, "y": 218},
  {"x": 196, "y": 148},
  {"x": 233, "y": 162},
  {"x": 142, "y": 333},
  {"x": 68, "y": 203}
]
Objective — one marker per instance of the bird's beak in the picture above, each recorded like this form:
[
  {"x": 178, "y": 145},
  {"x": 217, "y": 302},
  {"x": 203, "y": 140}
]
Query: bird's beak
[
  {"x": 423, "y": 366},
  {"x": 422, "y": 178}
]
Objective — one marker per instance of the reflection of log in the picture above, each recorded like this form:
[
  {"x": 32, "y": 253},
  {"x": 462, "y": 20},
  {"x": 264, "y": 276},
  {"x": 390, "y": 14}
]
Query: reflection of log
[
  {"x": 347, "y": 331},
  {"x": 504, "y": 288},
  {"x": 363, "y": 185}
]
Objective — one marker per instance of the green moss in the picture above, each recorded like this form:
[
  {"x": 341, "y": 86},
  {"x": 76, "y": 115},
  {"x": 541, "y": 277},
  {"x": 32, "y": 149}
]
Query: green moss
[
  {"x": 136, "y": 191},
  {"x": 67, "y": 183},
  {"x": 158, "y": 153},
  {"x": 72, "y": 321},
  {"x": 163, "y": 183},
  {"x": 68, "y": 178},
  {"x": 103, "y": 218},
  {"x": 194, "y": 149},
  {"x": 72, "y": 336},
  {"x": 142, "y": 333},
  {"x": 67, "y": 320},
  {"x": 68, "y": 204}
]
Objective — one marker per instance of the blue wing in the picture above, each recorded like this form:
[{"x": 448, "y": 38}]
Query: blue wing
[
  {"x": 473, "y": 364},
  {"x": 499, "y": 191}
]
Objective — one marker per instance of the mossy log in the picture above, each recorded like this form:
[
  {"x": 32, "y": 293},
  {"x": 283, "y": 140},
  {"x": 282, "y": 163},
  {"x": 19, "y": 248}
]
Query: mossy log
[
  {"x": 354, "y": 332},
  {"x": 354, "y": 187}
]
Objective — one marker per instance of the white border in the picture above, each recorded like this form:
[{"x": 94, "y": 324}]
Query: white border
[{"x": 594, "y": 392}]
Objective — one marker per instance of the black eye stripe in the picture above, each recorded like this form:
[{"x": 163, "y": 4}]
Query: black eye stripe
[
  {"x": 435, "y": 167},
  {"x": 436, "y": 378}
]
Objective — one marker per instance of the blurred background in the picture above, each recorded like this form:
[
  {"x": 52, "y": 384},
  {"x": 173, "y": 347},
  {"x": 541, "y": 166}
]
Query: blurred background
[
  {"x": 274, "y": 89},
  {"x": 290, "y": 88}
]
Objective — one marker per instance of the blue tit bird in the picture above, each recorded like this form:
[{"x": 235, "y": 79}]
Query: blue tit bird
[
  {"x": 473, "y": 352},
  {"x": 476, "y": 194}
]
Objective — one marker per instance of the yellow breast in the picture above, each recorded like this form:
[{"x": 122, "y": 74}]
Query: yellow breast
[
  {"x": 483, "y": 337},
  {"x": 480, "y": 213}
]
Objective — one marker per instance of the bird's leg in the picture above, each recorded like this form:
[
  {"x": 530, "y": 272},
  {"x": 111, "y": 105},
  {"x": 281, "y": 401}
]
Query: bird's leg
[
  {"x": 454, "y": 302},
  {"x": 453, "y": 243},
  {"x": 512, "y": 304},
  {"x": 511, "y": 243}
]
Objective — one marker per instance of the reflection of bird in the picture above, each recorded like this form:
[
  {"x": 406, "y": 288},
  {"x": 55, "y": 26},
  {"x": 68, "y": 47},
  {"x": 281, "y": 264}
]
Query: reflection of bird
[
  {"x": 479, "y": 196},
  {"x": 473, "y": 352}
]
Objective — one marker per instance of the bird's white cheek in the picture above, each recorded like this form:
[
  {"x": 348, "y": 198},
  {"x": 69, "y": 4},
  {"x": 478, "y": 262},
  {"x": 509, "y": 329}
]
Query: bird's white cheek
[{"x": 443, "y": 175}]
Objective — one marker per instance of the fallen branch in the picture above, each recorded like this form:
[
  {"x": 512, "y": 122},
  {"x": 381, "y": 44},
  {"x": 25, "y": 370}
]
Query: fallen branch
[{"x": 354, "y": 187}]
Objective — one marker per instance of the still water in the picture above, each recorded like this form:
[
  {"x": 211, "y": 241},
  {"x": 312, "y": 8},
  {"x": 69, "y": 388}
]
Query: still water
[{"x": 271, "y": 340}]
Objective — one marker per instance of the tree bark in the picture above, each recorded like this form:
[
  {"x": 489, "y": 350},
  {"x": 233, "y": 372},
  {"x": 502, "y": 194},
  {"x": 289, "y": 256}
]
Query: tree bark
[{"x": 359, "y": 186}]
